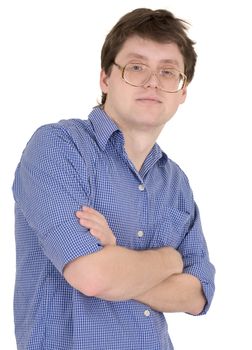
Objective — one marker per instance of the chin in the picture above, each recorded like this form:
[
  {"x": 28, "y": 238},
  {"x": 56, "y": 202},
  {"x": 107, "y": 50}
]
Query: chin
[
  {"x": 148, "y": 124},
  {"x": 152, "y": 117}
]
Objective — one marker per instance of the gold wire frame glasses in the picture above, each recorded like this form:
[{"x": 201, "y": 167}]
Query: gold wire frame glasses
[{"x": 169, "y": 79}]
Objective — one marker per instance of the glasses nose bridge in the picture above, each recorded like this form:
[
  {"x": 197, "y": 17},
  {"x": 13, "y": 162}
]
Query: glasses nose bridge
[{"x": 149, "y": 81}]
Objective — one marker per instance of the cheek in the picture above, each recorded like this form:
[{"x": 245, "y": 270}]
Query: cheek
[
  {"x": 170, "y": 108},
  {"x": 119, "y": 91},
  {"x": 118, "y": 99},
  {"x": 175, "y": 101}
]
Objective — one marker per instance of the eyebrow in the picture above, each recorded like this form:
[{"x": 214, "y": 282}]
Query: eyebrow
[{"x": 165, "y": 60}]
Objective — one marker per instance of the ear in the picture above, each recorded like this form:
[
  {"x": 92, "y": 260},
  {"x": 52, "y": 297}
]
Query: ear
[
  {"x": 104, "y": 81},
  {"x": 183, "y": 95}
]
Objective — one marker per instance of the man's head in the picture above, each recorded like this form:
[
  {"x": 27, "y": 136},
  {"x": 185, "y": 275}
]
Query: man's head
[{"x": 158, "y": 25}]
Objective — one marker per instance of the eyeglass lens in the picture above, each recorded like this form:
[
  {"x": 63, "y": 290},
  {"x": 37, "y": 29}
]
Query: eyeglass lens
[{"x": 169, "y": 79}]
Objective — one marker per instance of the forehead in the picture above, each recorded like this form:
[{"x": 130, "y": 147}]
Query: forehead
[{"x": 149, "y": 51}]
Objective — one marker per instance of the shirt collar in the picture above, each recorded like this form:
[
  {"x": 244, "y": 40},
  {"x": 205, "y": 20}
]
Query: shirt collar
[
  {"x": 103, "y": 126},
  {"x": 162, "y": 157},
  {"x": 156, "y": 155}
]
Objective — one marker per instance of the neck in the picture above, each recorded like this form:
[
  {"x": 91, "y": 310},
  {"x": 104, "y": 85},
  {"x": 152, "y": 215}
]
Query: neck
[
  {"x": 138, "y": 145},
  {"x": 139, "y": 137}
]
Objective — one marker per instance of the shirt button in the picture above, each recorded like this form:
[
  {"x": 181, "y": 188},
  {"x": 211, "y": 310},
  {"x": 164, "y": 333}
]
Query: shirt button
[
  {"x": 146, "y": 313},
  {"x": 140, "y": 234},
  {"x": 141, "y": 187}
]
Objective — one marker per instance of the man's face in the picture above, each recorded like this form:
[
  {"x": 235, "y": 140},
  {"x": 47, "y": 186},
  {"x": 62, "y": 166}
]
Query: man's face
[{"x": 145, "y": 107}]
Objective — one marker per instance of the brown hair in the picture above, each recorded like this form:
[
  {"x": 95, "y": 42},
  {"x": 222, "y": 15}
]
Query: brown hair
[{"x": 158, "y": 25}]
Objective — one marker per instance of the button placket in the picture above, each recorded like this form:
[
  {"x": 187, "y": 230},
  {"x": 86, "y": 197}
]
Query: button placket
[
  {"x": 140, "y": 234},
  {"x": 147, "y": 313},
  {"x": 141, "y": 187}
]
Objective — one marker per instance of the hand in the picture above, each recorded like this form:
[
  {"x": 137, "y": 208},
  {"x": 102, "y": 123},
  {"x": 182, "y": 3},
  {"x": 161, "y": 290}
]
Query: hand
[{"x": 97, "y": 225}]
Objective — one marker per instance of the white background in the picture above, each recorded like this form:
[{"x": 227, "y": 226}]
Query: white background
[{"x": 50, "y": 62}]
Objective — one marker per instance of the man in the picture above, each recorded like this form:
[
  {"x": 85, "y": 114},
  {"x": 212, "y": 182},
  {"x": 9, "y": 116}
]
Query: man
[{"x": 107, "y": 231}]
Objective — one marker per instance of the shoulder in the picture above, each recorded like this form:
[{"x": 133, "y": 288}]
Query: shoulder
[
  {"x": 60, "y": 136},
  {"x": 65, "y": 130},
  {"x": 175, "y": 171}
]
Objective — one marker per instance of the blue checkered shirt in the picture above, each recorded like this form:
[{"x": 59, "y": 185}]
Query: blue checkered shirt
[{"x": 83, "y": 162}]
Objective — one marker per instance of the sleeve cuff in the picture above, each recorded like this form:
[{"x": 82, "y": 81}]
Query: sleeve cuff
[
  {"x": 205, "y": 272},
  {"x": 67, "y": 242}
]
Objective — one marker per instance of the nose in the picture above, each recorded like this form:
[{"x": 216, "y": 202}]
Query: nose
[{"x": 152, "y": 81}]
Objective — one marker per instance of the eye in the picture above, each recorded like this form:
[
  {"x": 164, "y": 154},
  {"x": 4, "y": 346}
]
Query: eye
[
  {"x": 168, "y": 73},
  {"x": 135, "y": 67}
]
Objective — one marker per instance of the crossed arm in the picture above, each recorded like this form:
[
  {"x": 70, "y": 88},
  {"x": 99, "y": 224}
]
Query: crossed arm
[{"x": 154, "y": 277}]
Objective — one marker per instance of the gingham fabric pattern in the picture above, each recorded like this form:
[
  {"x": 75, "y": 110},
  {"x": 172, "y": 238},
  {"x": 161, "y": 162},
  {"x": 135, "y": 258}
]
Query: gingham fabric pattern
[{"x": 83, "y": 162}]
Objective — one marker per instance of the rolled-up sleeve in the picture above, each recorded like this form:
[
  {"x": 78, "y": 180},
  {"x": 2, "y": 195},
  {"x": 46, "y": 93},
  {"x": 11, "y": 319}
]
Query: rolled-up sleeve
[
  {"x": 51, "y": 184},
  {"x": 194, "y": 251}
]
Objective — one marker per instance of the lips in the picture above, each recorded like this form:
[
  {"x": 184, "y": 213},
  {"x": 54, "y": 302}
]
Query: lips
[{"x": 149, "y": 99}]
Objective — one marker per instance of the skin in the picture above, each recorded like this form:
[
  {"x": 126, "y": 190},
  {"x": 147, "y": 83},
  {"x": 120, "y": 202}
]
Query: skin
[
  {"x": 153, "y": 277},
  {"x": 141, "y": 113},
  {"x": 178, "y": 293}
]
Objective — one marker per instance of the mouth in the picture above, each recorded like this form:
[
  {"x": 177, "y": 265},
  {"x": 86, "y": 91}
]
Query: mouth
[{"x": 149, "y": 100}]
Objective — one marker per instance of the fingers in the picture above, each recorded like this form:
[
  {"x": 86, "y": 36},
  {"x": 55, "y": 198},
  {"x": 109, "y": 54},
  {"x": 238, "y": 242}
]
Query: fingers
[
  {"x": 91, "y": 212},
  {"x": 91, "y": 218},
  {"x": 97, "y": 225}
]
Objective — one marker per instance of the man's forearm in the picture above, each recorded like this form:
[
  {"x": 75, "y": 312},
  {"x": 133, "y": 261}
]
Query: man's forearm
[
  {"x": 178, "y": 293},
  {"x": 117, "y": 273}
]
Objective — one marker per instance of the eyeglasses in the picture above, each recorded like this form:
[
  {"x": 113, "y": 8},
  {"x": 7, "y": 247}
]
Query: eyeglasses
[{"x": 138, "y": 74}]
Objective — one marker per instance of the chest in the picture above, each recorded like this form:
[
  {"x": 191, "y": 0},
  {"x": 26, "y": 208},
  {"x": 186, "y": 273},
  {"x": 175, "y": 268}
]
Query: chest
[{"x": 142, "y": 213}]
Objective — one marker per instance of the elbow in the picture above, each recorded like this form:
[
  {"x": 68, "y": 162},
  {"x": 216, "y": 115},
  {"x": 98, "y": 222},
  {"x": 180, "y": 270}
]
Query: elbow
[
  {"x": 92, "y": 291},
  {"x": 88, "y": 281},
  {"x": 196, "y": 311},
  {"x": 197, "y": 306},
  {"x": 196, "y": 299},
  {"x": 89, "y": 287}
]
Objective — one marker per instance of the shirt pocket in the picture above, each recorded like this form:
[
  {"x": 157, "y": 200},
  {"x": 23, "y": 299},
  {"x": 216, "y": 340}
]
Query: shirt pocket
[{"x": 170, "y": 229}]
